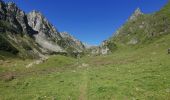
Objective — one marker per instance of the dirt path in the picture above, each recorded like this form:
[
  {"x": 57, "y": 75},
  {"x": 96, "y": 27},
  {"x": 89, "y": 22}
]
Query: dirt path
[{"x": 83, "y": 86}]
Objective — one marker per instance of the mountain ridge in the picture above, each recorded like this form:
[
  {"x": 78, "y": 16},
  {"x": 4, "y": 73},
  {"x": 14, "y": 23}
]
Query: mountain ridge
[
  {"x": 31, "y": 31},
  {"x": 142, "y": 28}
]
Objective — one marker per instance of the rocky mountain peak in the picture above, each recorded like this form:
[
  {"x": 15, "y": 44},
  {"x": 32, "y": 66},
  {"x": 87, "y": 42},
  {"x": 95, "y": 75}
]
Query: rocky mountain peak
[
  {"x": 18, "y": 18},
  {"x": 36, "y": 14},
  {"x": 35, "y": 20},
  {"x": 39, "y": 23},
  {"x": 2, "y": 10},
  {"x": 136, "y": 14},
  {"x": 11, "y": 4},
  {"x": 12, "y": 7}
]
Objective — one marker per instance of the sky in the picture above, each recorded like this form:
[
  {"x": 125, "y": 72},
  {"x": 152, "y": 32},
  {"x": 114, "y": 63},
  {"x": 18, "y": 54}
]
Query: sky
[{"x": 91, "y": 21}]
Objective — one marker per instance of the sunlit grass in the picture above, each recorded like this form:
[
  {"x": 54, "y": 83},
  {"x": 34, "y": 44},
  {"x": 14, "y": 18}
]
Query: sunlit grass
[{"x": 140, "y": 72}]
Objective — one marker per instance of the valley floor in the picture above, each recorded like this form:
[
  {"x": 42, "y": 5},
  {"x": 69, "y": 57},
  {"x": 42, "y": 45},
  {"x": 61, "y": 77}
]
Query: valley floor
[{"x": 139, "y": 73}]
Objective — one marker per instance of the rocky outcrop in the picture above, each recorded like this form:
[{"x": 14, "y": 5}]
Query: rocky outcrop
[
  {"x": 136, "y": 14},
  {"x": 103, "y": 49},
  {"x": 71, "y": 44}
]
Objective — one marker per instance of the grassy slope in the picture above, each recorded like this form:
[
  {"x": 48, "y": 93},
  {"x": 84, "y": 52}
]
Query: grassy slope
[
  {"x": 129, "y": 73},
  {"x": 145, "y": 28}
]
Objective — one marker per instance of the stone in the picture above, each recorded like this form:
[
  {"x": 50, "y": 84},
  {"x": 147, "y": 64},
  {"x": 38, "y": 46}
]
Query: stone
[
  {"x": 169, "y": 51},
  {"x": 136, "y": 14},
  {"x": 133, "y": 41}
]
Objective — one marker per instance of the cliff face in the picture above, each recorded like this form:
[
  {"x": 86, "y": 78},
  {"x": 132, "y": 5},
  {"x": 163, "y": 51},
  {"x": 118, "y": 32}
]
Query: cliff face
[
  {"x": 47, "y": 36},
  {"x": 17, "y": 18},
  {"x": 31, "y": 35}
]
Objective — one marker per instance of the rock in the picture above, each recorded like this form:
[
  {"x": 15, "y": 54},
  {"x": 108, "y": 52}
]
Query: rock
[
  {"x": 133, "y": 41},
  {"x": 69, "y": 41},
  {"x": 169, "y": 51},
  {"x": 85, "y": 65},
  {"x": 136, "y": 14},
  {"x": 102, "y": 49}
]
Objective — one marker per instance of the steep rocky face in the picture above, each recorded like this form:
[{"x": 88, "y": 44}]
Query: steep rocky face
[
  {"x": 70, "y": 43},
  {"x": 47, "y": 36},
  {"x": 16, "y": 17},
  {"x": 39, "y": 23}
]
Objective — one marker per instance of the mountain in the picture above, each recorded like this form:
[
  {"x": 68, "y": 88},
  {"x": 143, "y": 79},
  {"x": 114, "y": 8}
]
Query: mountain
[
  {"x": 32, "y": 35},
  {"x": 142, "y": 29},
  {"x": 70, "y": 43},
  {"x": 15, "y": 33}
]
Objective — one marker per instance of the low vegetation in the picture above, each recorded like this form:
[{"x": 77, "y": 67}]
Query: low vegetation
[{"x": 129, "y": 73}]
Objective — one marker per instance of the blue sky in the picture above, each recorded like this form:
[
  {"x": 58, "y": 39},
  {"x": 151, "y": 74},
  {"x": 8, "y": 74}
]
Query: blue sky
[{"x": 91, "y": 21}]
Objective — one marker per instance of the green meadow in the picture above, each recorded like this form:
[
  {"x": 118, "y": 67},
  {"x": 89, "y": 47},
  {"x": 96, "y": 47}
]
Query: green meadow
[{"x": 130, "y": 73}]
